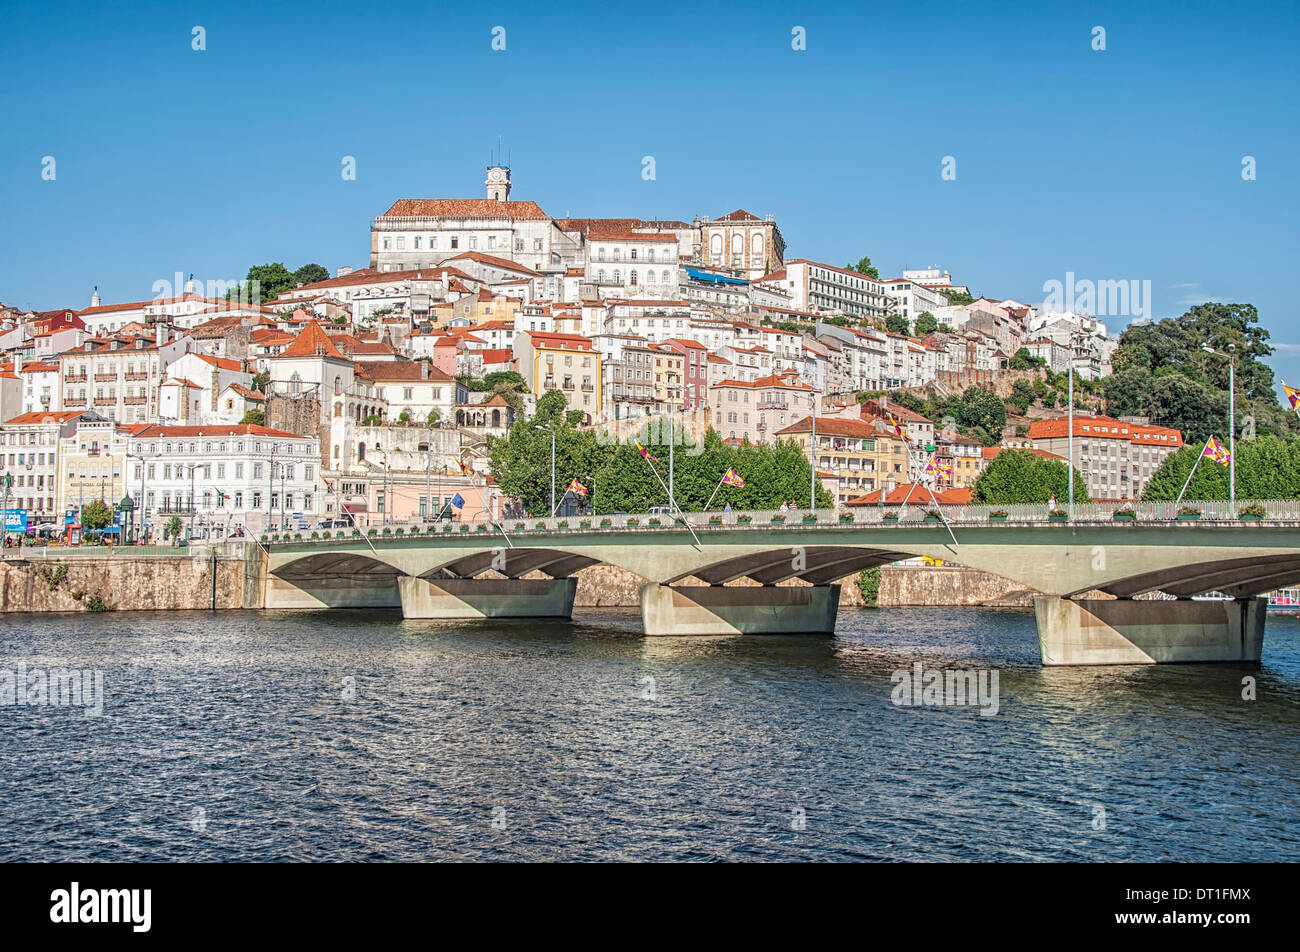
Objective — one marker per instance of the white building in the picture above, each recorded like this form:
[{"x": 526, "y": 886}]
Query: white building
[{"x": 224, "y": 475}]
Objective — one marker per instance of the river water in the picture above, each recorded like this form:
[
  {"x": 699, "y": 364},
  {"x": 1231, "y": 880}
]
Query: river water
[{"x": 361, "y": 736}]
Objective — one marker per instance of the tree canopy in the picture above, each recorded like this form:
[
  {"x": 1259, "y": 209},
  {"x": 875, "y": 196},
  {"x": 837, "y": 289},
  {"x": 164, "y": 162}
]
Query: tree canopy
[
  {"x": 620, "y": 480},
  {"x": 926, "y": 323},
  {"x": 96, "y": 514},
  {"x": 864, "y": 266},
  {"x": 1022, "y": 476},
  {"x": 1267, "y": 468},
  {"x": 1162, "y": 371}
]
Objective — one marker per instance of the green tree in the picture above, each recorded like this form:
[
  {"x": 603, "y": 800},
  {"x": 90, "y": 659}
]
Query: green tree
[
  {"x": 957, "y": 297},
  {"x": 1024, "y": 360},
  {"x": 1022, "y": 476},
  {"x": 433, "y": 418},
  {"x": 864, "y": 266},
  {"x": 1267, "y": 468},
  {"x": 897, "y": 324},
  {"x": 253, "y": 418},
  {"x": 980, "y": 407},
  {"x": 1022, "y": 395},
  {"x": 310, "y": 274},
  {"x": 260, "y": 381},
  {"x": 926, "y": 323},
  {"x": 404, "y": 417},
  {"x": 174, "y": 527},
  {"x": 96, "y": 514},
  {"x": 271, "y": 279}
]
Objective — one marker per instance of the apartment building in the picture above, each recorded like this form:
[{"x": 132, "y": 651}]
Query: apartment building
[
  {"x": 756, "y": 410},
  {"x": 1116, "y": 458},
  {"x": 853, "y": 456},
  {"x": 565, "y": 362},
  {"x": 29, "y": 446}
]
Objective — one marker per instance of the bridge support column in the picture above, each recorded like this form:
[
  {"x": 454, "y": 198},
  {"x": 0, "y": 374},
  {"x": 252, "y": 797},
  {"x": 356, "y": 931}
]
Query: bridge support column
[
  {"x": 344, "y": 591},
  {"x": 486, "y": 597},
  {"x": 1128, "y": 631},
  {"x": 749, "y": 610}
]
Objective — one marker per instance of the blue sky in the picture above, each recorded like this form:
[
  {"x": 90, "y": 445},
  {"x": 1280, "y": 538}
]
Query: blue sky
[{"x": 1122, "y": 164}]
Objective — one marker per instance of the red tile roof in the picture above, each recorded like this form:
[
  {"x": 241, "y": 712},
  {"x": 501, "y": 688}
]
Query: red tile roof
[
  {"x": 464, "y": 208},
  {"x": 156, "y": 430},
  {"x": 312, "y": 342}
]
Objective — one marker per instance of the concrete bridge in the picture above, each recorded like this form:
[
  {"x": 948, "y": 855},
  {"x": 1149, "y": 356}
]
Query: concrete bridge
[{"x": 475, "y": 571}]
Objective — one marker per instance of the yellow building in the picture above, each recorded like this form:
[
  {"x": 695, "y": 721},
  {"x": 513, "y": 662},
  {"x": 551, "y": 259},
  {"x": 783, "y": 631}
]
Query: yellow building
[
  {"x": 92, "y": 459},
  {"x": 565, "y": 362},
  {"x": 477, "y": 308}
]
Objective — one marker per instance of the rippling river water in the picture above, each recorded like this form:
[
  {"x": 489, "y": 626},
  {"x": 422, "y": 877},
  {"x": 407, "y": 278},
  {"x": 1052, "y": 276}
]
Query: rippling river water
[{"x": 360, "y": 736}]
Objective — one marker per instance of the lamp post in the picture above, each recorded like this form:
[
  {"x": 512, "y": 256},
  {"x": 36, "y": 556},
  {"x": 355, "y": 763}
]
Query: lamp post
[
  {"x": 547, "y": 426},
  {"x": 1069, "y": 491},
  {"x": 193, "y": 467},
  {"x": 1232, "y": 417},
  {"x": 270, "y": 491},
  {"x": 812, "y": 486}
]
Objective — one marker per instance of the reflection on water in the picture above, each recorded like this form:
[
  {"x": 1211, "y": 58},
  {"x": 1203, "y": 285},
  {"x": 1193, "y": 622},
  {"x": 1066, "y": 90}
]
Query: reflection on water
[{"x": 336, "y": 736}]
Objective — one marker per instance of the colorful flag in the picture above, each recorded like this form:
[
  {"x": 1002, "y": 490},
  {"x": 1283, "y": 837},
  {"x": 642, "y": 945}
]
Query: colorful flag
[
  {"x": 577, "y": 488},
  {"x": 733, "y": 478},
  {"x": 1217, "y": 452},
  {"x": 645, "y": 454},
  {"x": 1293, "y": 395},
  {"x": 329, "y": 486},
  {"x": 220, "y": 495},
  {"x": 464, "y": 469},
  {"x": 458, "y": 501},
  {"x": 898, "y": 430}
]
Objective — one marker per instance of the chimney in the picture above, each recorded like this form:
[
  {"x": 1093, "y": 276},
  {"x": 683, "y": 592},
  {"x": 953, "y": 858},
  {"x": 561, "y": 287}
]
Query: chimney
[
  {"x": 424, "y": 370},
  {"x": 160, "y": 334},
  {"x": 18, "y": 361}
]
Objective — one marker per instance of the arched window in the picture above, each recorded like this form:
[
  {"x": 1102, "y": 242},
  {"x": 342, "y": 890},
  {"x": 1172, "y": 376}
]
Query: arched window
[
  {"x": 650, "y": 254},
  {"x": 618, "y": 277},
  {"x": 295, "y": 384},
  {"x": 600, "y": 276},
  {"x": 496, "y": 418},
  {"x": 336, "y": 451},
  {"x": 737, "y": 244},
  {"x": 632, "y": 278},
  {"x": 715, "y": 244},
  {"x": 361, "y": 452},
  {"x": 338, "y": 384}
]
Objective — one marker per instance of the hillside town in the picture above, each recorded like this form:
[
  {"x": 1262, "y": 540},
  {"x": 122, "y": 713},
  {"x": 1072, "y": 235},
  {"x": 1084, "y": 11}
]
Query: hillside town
[{"x": 370, "y": 396}]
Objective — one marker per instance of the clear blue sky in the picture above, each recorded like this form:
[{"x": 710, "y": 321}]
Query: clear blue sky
[{"x": 1123, "y": 164}]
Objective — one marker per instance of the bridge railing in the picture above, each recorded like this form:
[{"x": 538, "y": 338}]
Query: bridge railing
[{"x": 1277, "y": 512}]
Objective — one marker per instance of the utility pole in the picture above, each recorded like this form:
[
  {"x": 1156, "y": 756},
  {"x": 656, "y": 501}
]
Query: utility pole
[
  {"x": 193, "y": 467},
  {"x": 1069, "y": 492},
  {"x": 812, "y": 487},
  {"x": 1232, "y": 426},
  {"x": 270, "y": 491},
  {"x": 428, "y": 474}
]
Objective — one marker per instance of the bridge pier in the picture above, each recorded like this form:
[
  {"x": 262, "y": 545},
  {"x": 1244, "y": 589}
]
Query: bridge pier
[
  {"x": 749, "y": 610},
  {"x": 337, "y": 591},
  {"x": 1128, "y": 631},
  {"x": 486, "y": 597}
]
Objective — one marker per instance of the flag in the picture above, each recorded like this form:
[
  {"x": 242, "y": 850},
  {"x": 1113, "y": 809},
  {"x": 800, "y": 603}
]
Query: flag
[
  {"x": 464, "y": 469},
  {"x": 733, "y": 478},
  {"x": 577, "y": 488},
  {"x": 220, "y": 495},
  {"x": 1293, "y": 395},
  {"x": 458, "y": 501},
  {"x": 1217, "y": 452},
  {"x": 645, "y": 454},
  {"x": 329, "y": 486},
  {"x": 898, "y": 430}
]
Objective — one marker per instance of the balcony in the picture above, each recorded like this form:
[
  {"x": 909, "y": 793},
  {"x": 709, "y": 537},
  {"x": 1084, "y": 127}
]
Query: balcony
[
  {"x": 105, "y": 378},
  {"x": 75, "y": 378},
  {"x": 588, "y": 388},
  {"x": 134, "y": 401},
  {"x": 137, "y": 376}
]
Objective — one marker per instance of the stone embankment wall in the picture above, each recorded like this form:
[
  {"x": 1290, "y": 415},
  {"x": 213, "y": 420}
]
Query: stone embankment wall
[{"x": 120, "y": 583}]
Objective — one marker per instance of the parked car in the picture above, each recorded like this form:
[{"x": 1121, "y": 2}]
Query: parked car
[{"x": 333, "y": 524}]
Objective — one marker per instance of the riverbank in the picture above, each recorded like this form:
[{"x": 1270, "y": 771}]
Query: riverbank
[{"x": 165, "y": 581}]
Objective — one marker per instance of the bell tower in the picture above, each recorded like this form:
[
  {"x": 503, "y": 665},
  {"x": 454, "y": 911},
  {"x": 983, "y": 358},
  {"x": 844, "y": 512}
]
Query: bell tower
[{"x": 498, "y": 183}]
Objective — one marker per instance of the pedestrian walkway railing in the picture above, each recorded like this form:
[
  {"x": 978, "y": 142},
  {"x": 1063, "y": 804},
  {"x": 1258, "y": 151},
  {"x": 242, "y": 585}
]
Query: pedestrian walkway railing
[{"x": 1119, "y": 514}]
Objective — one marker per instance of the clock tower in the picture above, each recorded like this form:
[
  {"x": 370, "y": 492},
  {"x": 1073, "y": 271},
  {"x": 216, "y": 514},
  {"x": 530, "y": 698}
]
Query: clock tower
[{"x": 498, "y": 183}]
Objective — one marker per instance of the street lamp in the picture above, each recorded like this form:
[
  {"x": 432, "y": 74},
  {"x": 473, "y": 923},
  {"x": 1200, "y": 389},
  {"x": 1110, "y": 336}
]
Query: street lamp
[
  {"x": 1232, "y": 417},
  {"x": 547, "y": 426},
  {"x": 143, "y": 507},
  {"x": 1069, "y": 492}
]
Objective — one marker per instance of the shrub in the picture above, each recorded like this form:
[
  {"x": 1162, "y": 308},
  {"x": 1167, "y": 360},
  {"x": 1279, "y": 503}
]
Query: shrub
[
  {"x": 868, "y": 582},
  {"x": 999, "y": 513},
  {"x": 1254, "y": 509},
  {"x": 1189, "y": 511},
  {"x": 95, "y": 604},
  {"x": 1126, "y": 511}
]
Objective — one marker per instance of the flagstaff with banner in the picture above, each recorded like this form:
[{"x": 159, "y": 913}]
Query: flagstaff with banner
[
  {"x": 729, "y": 478},
  {"x": 1215, "y": 451}
]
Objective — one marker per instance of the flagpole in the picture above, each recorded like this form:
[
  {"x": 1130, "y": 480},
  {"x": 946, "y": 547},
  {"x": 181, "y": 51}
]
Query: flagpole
[
  {"x": 1199, "y": 457},
  {"x": 715, "y": 491},
  {"x": 334, "y": 492},
  {"x": 673, "y": 503}
]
